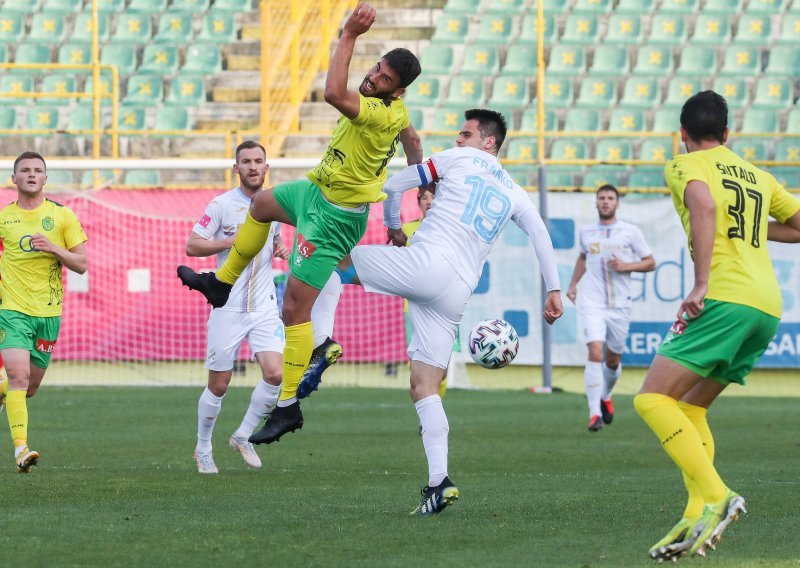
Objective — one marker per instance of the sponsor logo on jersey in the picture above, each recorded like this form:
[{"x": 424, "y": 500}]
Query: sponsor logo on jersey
[
  {"x": 304, "y": 248},
  {"x": 48, "y": 223},
  {"x": 45, "y": 346},
  {"x": 204, "y": 221},
  {"x": 26, "y": 243}
]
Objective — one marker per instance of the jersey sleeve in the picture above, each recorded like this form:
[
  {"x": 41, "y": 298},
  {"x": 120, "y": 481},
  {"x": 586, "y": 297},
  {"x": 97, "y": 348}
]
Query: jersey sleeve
[
  {"x": 679, "y": 171},
  {"x": 582, "y": 242},
  {"x": 639, "y": 244},
  {"x": 783, "y": 204},
  {"x": 73, "y": 230},
  {"x": 367, "y": 110},
  {"x": 208, "y": 225}
]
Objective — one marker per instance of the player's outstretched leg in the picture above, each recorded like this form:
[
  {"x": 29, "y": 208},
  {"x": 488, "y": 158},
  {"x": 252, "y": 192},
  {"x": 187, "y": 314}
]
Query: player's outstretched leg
[
  {"x": 715, "y": 519},
  {"x": 607, "y": 411},
  {"x": 215, "y": 291},
  {"x": 282, "y": 420},
  {"x": 246, "y": 450},
  {"x": 676, "y": 543},
  {"x": 322, "y": 357},
  {"x": 26, "y": 459},
  {"x": 435, "y": 499}
]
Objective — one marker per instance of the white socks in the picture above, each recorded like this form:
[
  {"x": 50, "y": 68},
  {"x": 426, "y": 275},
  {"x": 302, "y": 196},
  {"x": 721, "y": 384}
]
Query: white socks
[
  {"x": 593, "y": 380},
  {"x": 207, "y": 411},
  {"x": 434, "y": 436},
  {"x": 610, "y": 377},
  {"x": 324, "y": 310},
  {"x": 262, "y": 402}
]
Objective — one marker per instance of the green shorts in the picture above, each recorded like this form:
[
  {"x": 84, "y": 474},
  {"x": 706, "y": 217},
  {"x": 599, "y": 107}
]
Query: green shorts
[
  {"x": 325, "y": 233},
  {"x": 35, "y": 334},
  {"x": 723, "y": 343}
]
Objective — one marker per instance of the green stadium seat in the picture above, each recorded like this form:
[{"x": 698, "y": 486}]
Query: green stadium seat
[
  {"x": 787, "y": 150},
  {"x": 142, "y": 178},
  {"x": 65, "y": 6},
  {"x": 733, "y": 89},
  {"x": 8, "y": 120},
  {"x": 521, "y": 174},
  {"x": 742, "y": 61},
  {"x": 160, "y": 59},
  {"x": 654, "y": 60},
  {"x": 790, "y": 28},
  {"x": 510, "y": 92},
  {"x": 187, "y": 90},
  {"x": 656, "y": 150},
  {"x": 146, "y": 90},
  {"x": 639, "y": 92},
  {"x": 109, "y": 6},
  {"x": 711, "y": 30},
  {"x": 597, "y": 92},
  {"x": 217, "y": 28},
  {"x": 448, "y": 118},
  {"x": 529, "y": 30},
  {"x": 753, "y": 29},
  {"x": 521, "y": 60},
  {"x": 624, "y": 29},
  {"x": 189, "y": 6},
  {"x": 494, "y": 29},
  {"x": 60, "y": 84},
  {"x": 597, "y": 177},
  {"x": 3, "y": 53},
  {"x": 567, "y": 60},
  {"x": 478, "y": 59},
  {"x": 635, "y": 7},
  {"x": 81, "y": 118},
  {"x": 774, "y": 93},
  {"x": 530, "y": 120},
  {"x": 793, "y": 121},
  {"x": 47, "y": 27},
  {"x": 680, "y": 89},
  {"x": 105, "y": 178},
  {"x": 679, "y": 6},
  {"x": 82, "y": 29},
  {"x": 119, "y": 55},
  {"x": 581, "y": 29},
  {"x": 751, "y": 149},
  {"x": 581, "y": 120},
  {"x": 557, "y": 92},
  {"x": 12, "y": 84},
  {"x": 461, "y": 6},
  {"x": 12, "y": 28},
  {"x": 592, "y": 6},
  {"x": 174, "y": 118},
  {"x": 437, "y": 59},
  {"x": 569, "y": 150},
  {"x": 451, "y": 29},
  {"x": 668, "y": 29},
  {"x": 42, "y": 118},
  {"x": 666, "y": 120},
  {"x": 466, "y": 90},
  {"x": 783, "y": 60},
  {"x": 105, "y": 89},
  {"x": 32, "y": 53},
  {"x": 21, "y": 7},
  {"x": 504, "y": 6},
  {"x": 697, "y": 61},
  {"x": 174, "y": 28},
  {"x": 768, "y": 7},
  {"x": 522, "y": 149},
  {"x": 560, "y": 180},
  {"x": 133, "y": 29},
  {"x": 610, "y": 61},
  {"x": 759, "y": 120},
  {"x": 150, "y": 7},
  {"x": 553, "y": 6},
  {"x": 787, "y": 177},
  {"x": 423, "y": 92},
  {"x": 416, "y": 116},
  {"x": 203, "y": 58},
  {"x": 434, "y": 144},
  {"x": 644, "y": 178},
  {"x": 232, "y": 6},
  {"x": 627, "y": 120},
  {"x": 132, "y": 118},
  {"x": 723, "y": 7}
]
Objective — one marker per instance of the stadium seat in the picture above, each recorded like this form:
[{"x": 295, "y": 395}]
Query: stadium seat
[
  {"x": 723, "y": 6},
  {"x": 599, "y": 176},
  {"x": 666, "y": 120},
  {"x": 787, "y": 177},
  {"x": 82, "y": 29},
  {"x": 557, "y": 92},
  {"x": 697, "y": 61},
  {"x": 133, "y": 29},
  {"x": 668, "y": 29},
  {"x": 12, "y": 28},
  {"x": 11, "y": 84},
  {"x": 581, "y": 29},
  {"x": 581, "y": 120},
  {"x": 742, "y": 61},
  {"x": 119, "y": 55},
  {"x": 656, "y": 150},
  {"x": 434, "y": 144},
  {"x": 790, "y": 28},
  {"x": 424, "y": 92},
  {"x": 110, "y": 6},
  {"x": 610, "y": 61},
  {"x": 81, "y": 118},
  {"x": 478, "y": 59},
  {"x": 466, "y": 90},
  {"x": 416, "y": 117},
  {"x": 567, "y": 60},
  {"x": 451, "y": 29},
  {"x": 784, "y": 60},
  {"x": 142, "y": 178},
  {"x": 759, "y": 120},
  {"x": 504, "y": 6},
  {"x": 768, "y": 7},
  {"x": 597, "y": 93},
  {"x": 60, "y": 84},
  {"x": 448, "y": 118},
  {"x": 47, "y": 27},
  {"x": 8, "y": 120},
  {"x": 522, "y": 149},
  {"x": 510, "y": 92},
  {"x": 146, "y": 90},
  {"x": 680, "y": 89},
  {"x": 627, "y": 120},
  {"x": 21, "y": 7},
  {"x": 635, "y": 7},
  {"x": 529, "y": 30},
  {"x": 751, "y": 149},
  {"x": 568, "y": 150},
  {"x": 64, "y": 6},
  {"x": 643, "y": 178},
  {"x": 42, "y": 118},
  {"x": 3, "y": 53},
  {"x": 614, "y": 150},
  {"x": 654, "y": 60},
  {"x": 753, "y": 29},
  {"x": 774, "y": 93},
  {"x": 173, "y": 118},
  {"x": 35, "y": 53},
  {"x": 175, "y": 28},
  {"x": 232, "y": 6},
  {"x": 150, "y": 7},
  {"x": 189, "y": 6},
  {"x": 793, "y": 121},
  {"x": 131, "y": 118},
  {"x": 217, "y": 28},
  {"x": 494, "y": 29},
  {"x": 711, "y": 30},
  {"x": 560, "y": 180},
  {"x": 530, "y": 120},
  {"x": 520, "y": 60},
  {"x": 160, "y": 59},
  {"x": 679, "y": 6},
  {"x": 461, "y": 6},
  {"x": 788, "y": 150},
  {"x": 521, "y": 174},
  {"x": 733, "y": 89},
  {"x": 437, "y": 59},
  {"x": 187, "y": 90},
  {"x": 639, "y": 92},
  {"x": 624, "y": 29},
  {"x": 204, "y": 59},
  {"x": 105, "y": 89},
  {"x": 592, "y": 6}
]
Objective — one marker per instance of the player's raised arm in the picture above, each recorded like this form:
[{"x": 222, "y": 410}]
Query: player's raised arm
[
  {"x": 418, "y": 175},
  {"x": 533, "y": 225},
  {"x": 412, "y": 145}
]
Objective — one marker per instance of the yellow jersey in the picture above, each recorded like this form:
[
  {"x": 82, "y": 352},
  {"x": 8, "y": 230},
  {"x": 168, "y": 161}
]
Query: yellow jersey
[
  {"x": 410, "y": 228},
  {"x": 353, "y": 170},
  {"x": 745, "y": 196},
  {"x": 31, "y": 281}
]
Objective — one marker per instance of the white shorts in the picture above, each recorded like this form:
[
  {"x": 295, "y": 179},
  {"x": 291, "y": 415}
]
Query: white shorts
[
  {"x": 437, "y": 296},
  {"x": 226, "y": 331},
  {"x": 606, "y": 324}
]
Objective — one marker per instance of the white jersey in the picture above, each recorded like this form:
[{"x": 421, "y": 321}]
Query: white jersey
[
  {"x": 255, "y": 289},
  {"x": 475, "y": 200},
  {"x": 604, "y": 287}
]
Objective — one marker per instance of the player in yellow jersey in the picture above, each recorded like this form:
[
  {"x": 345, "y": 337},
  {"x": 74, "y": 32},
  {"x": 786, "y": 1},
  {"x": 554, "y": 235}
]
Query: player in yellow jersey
[
  {"x": 39, "y": 237},
  {"x": 329, "y": 209},
  {"x": 723, "y": 327}
]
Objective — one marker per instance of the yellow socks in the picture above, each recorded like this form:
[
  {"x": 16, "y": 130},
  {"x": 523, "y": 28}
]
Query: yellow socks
[
  {"x": 681, "y": 441},
  {"x": 17, "y": 410},
  {"x": 250, "y": 239},
  {"x": 296, "y": 357},
  {"x": 697, "y": 416}
]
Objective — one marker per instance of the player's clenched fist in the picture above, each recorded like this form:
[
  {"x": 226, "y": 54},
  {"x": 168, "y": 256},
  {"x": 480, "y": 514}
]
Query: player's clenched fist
[{"x": 360, "y": 20}]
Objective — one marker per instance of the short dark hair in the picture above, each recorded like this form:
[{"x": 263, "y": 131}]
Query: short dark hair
[
  {"x": 607, "y": 187},
  {"x": 405, "y": 64},
  {"x": 248, "y": 145},
  {"x": 430, "y": 188},
  {"x": 29, "y": 155},
  {"x": 490, "y": 123},
  {"x": 704, "y": 116}
]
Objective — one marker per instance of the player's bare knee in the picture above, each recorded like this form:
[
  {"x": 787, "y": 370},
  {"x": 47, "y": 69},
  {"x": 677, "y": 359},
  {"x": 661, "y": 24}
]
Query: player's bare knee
[
  {"x": 612, "y": 359},
  {"x": 595, "y": 351},
  {"x": 274, "y": 378}
]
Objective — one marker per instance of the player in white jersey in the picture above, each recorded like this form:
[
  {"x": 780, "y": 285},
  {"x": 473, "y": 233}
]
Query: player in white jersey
[
  {"x": 610, "y": 250},
  {"x": 251, "y": 311},
  {"x": 475, "y": 200}
]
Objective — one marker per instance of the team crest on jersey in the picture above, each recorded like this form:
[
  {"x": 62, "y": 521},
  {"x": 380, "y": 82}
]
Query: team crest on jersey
[
  {"x": 304, "y": 248},
  {"x": 48, "y": 223}
]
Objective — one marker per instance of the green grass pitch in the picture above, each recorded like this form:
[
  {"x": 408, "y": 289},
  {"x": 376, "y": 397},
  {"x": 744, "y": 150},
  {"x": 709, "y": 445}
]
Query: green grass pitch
[{"x": 117, "y": 486}]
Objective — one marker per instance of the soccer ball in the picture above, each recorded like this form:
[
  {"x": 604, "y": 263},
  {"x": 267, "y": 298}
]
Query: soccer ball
[{"x": 493, "y": 343}]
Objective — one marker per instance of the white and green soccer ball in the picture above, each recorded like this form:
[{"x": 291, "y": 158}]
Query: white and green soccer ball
[{"x": 493, "y": 343}]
